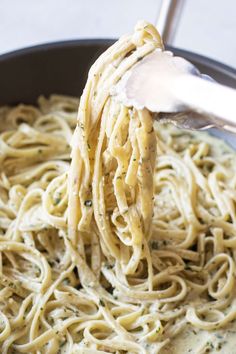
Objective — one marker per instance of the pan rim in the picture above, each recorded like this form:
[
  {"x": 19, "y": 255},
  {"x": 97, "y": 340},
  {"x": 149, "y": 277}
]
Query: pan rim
[{"x": 192, "y": 56}]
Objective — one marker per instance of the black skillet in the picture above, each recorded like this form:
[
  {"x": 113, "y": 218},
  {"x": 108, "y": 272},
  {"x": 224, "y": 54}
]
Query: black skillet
[{"x": 62, "y": 68}]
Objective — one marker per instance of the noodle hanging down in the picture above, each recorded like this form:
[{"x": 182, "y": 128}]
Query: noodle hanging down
[{"x": 130, "y": 247}]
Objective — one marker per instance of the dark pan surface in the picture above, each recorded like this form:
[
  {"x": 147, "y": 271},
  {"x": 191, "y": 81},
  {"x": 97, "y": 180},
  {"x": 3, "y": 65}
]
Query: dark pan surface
[{"x": 62, "y": 67}]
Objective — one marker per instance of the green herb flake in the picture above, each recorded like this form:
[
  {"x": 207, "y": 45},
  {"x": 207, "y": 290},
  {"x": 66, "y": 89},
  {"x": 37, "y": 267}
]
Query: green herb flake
[
  {"x": 56, "y": 200},
  {"x": 108, "y": 266},
  {"x": 88, "y": 203},
  {"x": 154, "y": 245},
  {"x": 102, "y": 303}
]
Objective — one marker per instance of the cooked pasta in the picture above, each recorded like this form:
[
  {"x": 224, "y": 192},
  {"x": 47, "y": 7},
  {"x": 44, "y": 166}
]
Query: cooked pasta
[{"x": 123, "y": 242}]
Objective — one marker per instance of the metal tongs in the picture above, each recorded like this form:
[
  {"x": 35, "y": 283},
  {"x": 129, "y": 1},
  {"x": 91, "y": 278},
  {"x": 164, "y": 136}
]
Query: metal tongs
[{"x": 175, "y": 89}]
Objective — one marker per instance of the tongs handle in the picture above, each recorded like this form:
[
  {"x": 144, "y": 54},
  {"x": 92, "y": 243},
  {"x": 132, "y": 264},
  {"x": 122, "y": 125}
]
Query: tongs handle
[
  {"x": 168, "y": 19},
  {"x": 216, "y": 101}
]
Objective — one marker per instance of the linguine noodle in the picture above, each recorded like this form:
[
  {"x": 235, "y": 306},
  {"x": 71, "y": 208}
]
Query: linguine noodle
[{"x": 125, "y": 248}]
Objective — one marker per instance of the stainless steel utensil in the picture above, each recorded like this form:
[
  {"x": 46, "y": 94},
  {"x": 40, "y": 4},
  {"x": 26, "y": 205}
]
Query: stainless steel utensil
[
  {"x": 168, "y": 19},
  {"x": 175, "y": 88}
]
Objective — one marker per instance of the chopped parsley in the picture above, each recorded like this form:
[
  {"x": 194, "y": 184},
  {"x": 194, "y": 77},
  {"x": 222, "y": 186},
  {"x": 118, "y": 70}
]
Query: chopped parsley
[
  {"x": 102, "y": 303},
  {"x": 154, "y": 245},
  {"x": 88, "y": 203}
]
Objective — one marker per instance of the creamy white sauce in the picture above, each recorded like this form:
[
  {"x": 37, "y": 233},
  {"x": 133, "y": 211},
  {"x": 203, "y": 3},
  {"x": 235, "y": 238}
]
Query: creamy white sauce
[{"x": 195, "y": 341}]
